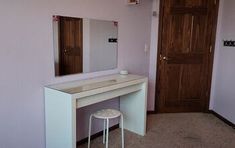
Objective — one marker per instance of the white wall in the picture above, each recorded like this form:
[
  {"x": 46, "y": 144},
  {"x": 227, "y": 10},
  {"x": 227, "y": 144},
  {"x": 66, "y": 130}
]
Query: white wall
[
  {"x": 56, "y": 45},
  {"x": 153, "y": 56},
  {"x": 223, "y": 94},
  {"x": 103, "y": 55},
  {"x": 86, "y": 45},
  {"x": 98, "y": 53},
  {"x": 27, "y": 62}
]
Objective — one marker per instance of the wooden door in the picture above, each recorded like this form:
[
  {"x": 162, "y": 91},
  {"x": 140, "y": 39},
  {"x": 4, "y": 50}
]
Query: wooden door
[
  {"x": 71, "y": 48},
  {"x": 186, "y": 39}
]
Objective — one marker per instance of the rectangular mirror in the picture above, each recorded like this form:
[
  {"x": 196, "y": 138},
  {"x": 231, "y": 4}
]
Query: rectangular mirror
[{"x": 84, "y": 45}]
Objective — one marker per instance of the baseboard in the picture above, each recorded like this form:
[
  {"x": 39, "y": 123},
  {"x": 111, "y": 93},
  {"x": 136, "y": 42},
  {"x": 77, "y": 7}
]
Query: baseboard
[
  {"x": 222, "y": 118},
  {"x": 80, "y": 142},
  {"x": 151, "y": 112}
]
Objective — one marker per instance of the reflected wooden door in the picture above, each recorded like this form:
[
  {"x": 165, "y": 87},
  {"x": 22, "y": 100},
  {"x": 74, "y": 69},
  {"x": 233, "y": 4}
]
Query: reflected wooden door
[
  {"x": 186, "y": 40},
  {"x": 71, "y": 47}
]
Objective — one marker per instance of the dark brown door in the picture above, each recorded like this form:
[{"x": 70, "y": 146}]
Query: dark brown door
[
  {"x": 186, "y": 39},
  {"x": 70, "y": 45}
]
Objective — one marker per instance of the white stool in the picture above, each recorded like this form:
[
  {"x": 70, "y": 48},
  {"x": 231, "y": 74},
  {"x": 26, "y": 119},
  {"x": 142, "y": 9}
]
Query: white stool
[{"x": 106, "y": 114}]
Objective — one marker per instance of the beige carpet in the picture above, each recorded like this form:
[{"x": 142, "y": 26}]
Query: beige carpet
[{"x": 185, "y": 130}]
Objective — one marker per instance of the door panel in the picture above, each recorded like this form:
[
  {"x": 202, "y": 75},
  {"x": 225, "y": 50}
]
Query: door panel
[
  {"x": 185, "y": 41},
  {"x": 71, "y": 45}
]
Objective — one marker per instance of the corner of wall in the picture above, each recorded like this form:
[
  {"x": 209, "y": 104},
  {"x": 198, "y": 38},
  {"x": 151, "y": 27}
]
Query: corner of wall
[
  {"x": 153, "y": 56},
  {"x": 216, "y": 54}
]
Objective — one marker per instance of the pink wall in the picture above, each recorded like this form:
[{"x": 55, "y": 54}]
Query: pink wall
[
  {"x": 223, "y": 94},
  {"x": 26, "y": 58},
  {"x": 153, "y": 56}
]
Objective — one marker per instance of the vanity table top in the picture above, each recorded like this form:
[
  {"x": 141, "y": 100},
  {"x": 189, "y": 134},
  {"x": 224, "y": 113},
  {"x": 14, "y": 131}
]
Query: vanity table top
[{"x": 94, "y": 83}]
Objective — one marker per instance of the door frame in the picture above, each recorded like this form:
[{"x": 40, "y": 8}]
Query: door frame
[{"x": 211, "y": 56}]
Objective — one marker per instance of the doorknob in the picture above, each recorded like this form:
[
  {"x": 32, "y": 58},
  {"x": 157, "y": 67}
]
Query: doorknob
[
  {"x": 165, "y": 58},
  {"x": 65, "y": 51}
]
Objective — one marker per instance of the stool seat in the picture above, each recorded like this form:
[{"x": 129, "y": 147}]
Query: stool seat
[{"x": 107, "y": 114}]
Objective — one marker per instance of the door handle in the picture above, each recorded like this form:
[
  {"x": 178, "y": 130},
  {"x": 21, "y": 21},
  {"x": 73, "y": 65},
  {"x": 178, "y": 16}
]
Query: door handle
[{"x": 165, "y": 58}]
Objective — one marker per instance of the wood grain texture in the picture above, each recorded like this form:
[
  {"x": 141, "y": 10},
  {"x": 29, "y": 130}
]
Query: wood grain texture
[
  {"x": 71, "y": 45},
  {"x": 184, "y": 68}
]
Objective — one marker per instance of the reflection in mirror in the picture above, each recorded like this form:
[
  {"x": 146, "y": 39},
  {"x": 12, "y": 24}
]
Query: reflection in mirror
[{"x": 84, "y": 45}]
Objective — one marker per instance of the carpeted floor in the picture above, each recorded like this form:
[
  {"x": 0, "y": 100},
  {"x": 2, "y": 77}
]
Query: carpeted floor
[{"x": 184, "y": 130}]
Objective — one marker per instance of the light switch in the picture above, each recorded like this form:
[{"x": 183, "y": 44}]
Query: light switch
[{"x": 229, "y": 43}]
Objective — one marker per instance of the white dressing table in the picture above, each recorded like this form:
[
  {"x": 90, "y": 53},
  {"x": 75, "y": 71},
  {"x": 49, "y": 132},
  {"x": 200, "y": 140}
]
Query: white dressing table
[{"x": 62, "y": 100}]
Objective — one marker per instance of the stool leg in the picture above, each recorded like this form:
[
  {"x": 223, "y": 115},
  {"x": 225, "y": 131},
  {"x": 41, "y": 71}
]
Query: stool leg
[
  {"x": 107, "y": 134},
  {"x": 104, "y": 132},
  {"x": 122, "y": 131},
  {"x": 89, "y": 134}
]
